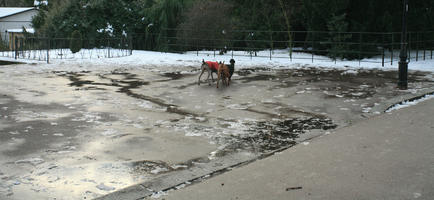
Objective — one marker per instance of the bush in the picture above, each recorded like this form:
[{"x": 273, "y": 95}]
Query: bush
[{"x": 75, "y": 41}]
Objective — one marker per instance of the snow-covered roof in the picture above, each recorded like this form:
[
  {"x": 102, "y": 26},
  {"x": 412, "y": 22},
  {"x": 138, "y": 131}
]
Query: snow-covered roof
[
  {"x": 38, "y": 3},
  {"x": 28, "y": 30},
  {"x": 8, "y": 11}
]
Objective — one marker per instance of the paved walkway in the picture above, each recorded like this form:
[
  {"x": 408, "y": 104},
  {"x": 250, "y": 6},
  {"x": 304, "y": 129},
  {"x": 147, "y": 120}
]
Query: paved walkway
[{"x": 390, "y": 156}]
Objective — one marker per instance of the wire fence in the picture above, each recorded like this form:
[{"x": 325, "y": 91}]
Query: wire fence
[
  {"x": 313, "y": 45},
  {"x": 307, "y": 45},
  {"x": 46, "y": 49}
]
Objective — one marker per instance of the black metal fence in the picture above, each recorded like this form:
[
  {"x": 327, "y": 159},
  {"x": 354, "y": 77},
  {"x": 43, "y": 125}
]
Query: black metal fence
[
  {"x": 295, "y": 45},
  {"x": 313, "y": 45},
  {"x": 45, "y": 49}
]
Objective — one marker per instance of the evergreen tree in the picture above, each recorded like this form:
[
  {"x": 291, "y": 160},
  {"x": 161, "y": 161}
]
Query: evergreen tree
[{"x": 75, "y": 41}]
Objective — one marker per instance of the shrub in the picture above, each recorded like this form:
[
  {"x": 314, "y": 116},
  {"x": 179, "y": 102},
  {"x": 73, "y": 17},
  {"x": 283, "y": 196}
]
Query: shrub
[{"x": 75, "y": 41}]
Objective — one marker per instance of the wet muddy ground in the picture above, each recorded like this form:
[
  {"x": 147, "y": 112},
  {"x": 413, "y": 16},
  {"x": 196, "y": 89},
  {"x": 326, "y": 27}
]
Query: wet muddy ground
[{"x": 83, "y": 134}]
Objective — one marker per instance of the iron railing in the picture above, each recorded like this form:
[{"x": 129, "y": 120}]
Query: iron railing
[
  {"x": 377, "y": 47},
  {"x": 44, "y": 49},
  {"x": 312, "y": 45}
]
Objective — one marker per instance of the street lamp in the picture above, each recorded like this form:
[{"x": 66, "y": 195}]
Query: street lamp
[{"x": 403, "y": 64}]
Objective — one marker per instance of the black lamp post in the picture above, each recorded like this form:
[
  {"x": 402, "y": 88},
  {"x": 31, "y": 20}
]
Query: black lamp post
[{"x": 403, "y": 64}]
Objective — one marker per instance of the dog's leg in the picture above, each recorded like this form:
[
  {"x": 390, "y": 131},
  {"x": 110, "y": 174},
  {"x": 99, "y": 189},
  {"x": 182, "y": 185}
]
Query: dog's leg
[
  {"x": 209, "y": 74},
  {"x": 203, "y": 70},
  {"x": 218, "y": 77},
  {"x": 227, "y": 81}
]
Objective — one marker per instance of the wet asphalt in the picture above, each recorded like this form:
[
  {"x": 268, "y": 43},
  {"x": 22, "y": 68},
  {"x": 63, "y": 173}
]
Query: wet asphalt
[{"x": 85, "y": 134}]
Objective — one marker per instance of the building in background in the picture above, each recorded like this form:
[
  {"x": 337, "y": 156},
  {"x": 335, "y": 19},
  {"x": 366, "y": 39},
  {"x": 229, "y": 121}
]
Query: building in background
[{"x": 14, "y": 22}]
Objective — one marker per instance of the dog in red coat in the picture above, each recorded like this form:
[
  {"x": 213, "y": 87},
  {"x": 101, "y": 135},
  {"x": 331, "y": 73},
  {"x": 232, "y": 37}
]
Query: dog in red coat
[{"x": 210, "y": 67}]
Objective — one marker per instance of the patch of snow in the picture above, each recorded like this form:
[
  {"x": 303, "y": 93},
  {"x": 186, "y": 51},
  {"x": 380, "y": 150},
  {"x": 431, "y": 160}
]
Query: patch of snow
[
  {"x": 153, "y": 60},
  {"x": 158, "y": 170},
  {"x": 237, "y": 107},
  {"x": 350, "y": 72},
  {"x": 417, "y": 195},
  {"x": 179, "y": 166},
  {"x": 409, "y": 103},
  {"x": 301, "y": 92},
  {"x": 104, "y": 187},
  {"x": 159, "y": 194},
  {"x": 7, "y": 11},
  {"x": 33, "y": 161},
  {"x": 357, "y": 94},
  {"x": 14, "y": 132},
  {"x": 109, "y": 132}
]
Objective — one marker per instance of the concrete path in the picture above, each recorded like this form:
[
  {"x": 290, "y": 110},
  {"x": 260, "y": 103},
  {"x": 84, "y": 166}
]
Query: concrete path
[{"x": 390, "y": 156}]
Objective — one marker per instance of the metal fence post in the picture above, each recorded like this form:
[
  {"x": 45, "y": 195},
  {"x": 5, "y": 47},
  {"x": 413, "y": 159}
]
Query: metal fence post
[
  {"x": 16, "y": 47},
  {"x": 131, "y": 45},
  {"x": 312, "y": 45},
  {"x": 424, "y": 51},
  {"x": 121, "y": 40},
  {"x": 382, "y": 55},
  {"x": 270, "y": 53},
  {"x": 360, "y": 47},
  {"x": 108, "y": 48},
  {"x": 291, "y": 44},
  {"x": 391, "y": 51},
  {"x": 48, "y": 50},
  {"x": 409, "y": 46},
  {"x": 417, "y": 46},
  {"x": 431, "y": 49},
  {"x": 56, "y": 44}
]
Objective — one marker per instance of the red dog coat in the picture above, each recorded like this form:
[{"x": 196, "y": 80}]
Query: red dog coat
[{"x": 213, "y": 65}]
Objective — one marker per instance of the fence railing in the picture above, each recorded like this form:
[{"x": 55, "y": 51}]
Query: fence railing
[
  {"x": 377, "y": 47},
  {"x": 319, "y": 45},
  {"x": 46, "y": 49}
]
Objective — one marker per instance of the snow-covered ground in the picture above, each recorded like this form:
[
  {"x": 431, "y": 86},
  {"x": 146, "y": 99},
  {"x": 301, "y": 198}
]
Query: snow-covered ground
[{"x": 279, "y": 59}]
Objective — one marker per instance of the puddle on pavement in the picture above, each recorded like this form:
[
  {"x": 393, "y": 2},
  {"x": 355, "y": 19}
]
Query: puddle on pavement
[{"x": 39, "y": 126}]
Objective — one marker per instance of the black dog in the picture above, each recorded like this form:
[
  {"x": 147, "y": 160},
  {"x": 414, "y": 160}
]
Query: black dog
[{"x": 231, "y": 68}]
